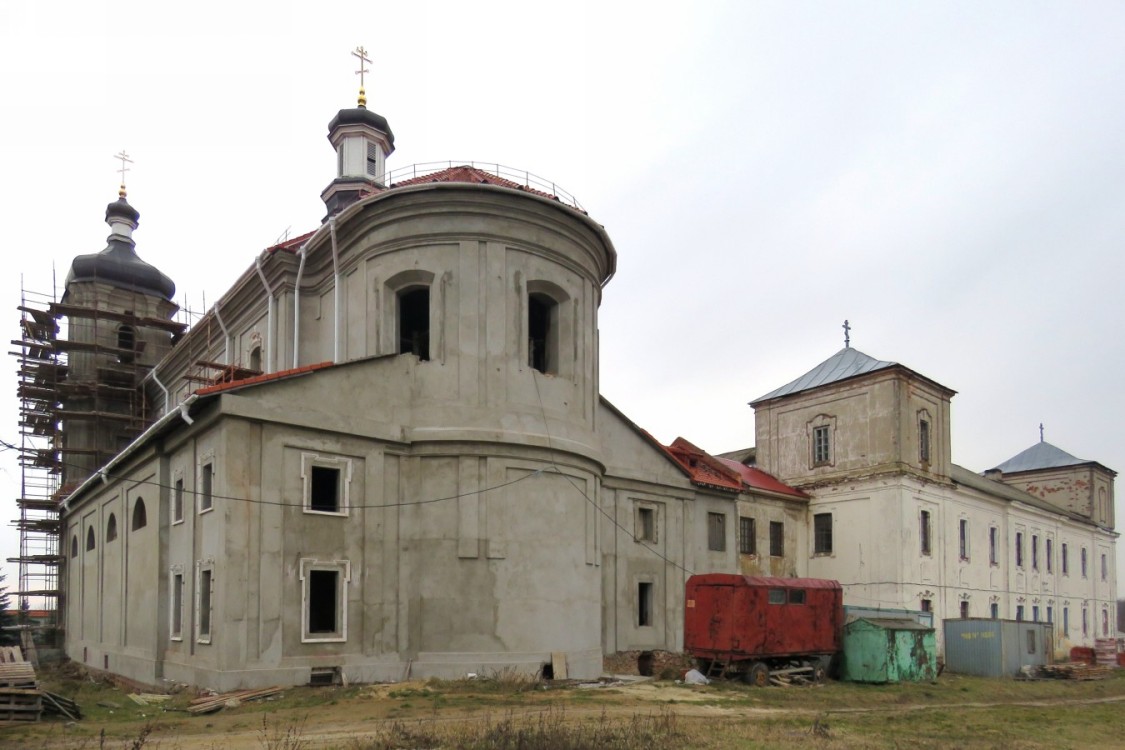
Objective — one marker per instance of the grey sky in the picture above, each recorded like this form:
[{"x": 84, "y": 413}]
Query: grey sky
[{"x": 949, "y": 176}]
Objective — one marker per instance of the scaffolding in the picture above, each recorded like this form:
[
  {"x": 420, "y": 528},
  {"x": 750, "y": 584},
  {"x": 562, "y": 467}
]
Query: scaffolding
[{"x": 64, "y": 415}]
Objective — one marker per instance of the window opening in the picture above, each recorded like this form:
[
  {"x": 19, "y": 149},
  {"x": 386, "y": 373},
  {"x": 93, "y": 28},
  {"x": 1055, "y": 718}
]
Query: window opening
[
  {"x": 205, "y": 498},
  {"x": 256, "y": 359},
  {"x": 140, "y": 518},
  {"x": 924, "y": 441},
  {"x": 924, "y": 531},
  {"x": 372, "y": 159},
  {"x": 542, "y": 333},
  {"x": 111, "y": 528},
  {"x": 1083, "y": 562},
  {"x": 1066, "y": 622},
  {"x": 1085, "y": 621},
  {"x": 1105, "y": 569},
  {"x": 177, "y": 605},
  {"x": 777, "y": 539},
  {"x": 1035, "y": 552},
  {"x": 89, "y": 538},
  {"x": 796, "y": 596},
  {"x": 74, "y": 546},
  {"x": 822, "y": 446},
  {"x": 777, "y": 596},
  {"x": 927, "y": 605},
  {"x": 963, "y": 538},
  {"x": 822, "y": 534},
  {"x": 126, "y": 343},
  {"x": 1050, "y": 553},
  {"x": 1019, "y": 549},
  {"x": 646, "y": 524},
  {"x": 1019, "y": 612},
  {"x": 1050, "y": 613},
  {"x": 414, "y": 322},
  {"x": 324, "y": 489},
  {"x": 747, "y": 544},
  {"x": 994, "y": 610},
  {"x": 644, "y": 604},
  {"x": 716, "y": 532},
  {"x": 1035, "y": 613},
  {"x": 323, "y": 589},
  {"x": 205, "y": 592},
  {"x": 964, "y": 609},
  {"x": 993, "y": 545},
  {"x": 1065, "y": 560},
  {"x": 178, "y": 501}
]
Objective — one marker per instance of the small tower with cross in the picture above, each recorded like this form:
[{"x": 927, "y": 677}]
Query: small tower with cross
[{"x": 363, "y": 140}]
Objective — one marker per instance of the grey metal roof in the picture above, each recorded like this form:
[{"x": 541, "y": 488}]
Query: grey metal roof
[
  {"x": 843, "y": 364},
  {"x": 1042, "y": 455},
  {"x": 963, "y": 476}
]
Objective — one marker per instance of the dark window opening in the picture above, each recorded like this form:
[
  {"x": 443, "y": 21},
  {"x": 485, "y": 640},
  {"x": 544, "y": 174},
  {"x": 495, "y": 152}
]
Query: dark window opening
[
  {"x": 777, "y": 596},
  {"x": 1083, "y": 562},
  {"x": 777, "y": 539},
  {"x": 924, "y": 532},
  {"x": 177, "y": 604},
  {"x": 140, "y": 518},
  {"x": 822, "y": 534},
  {"x": 924, "y": 441},
  {"x": 323, "y": 586},
  {"x": 1050, "y": 555},
  {"x": 1035, "y": 552},
  {"x": 822, "y": 446},
  {"x": 1019, "y": 613},
  {"x": 747, "y": 537},
  {"x": 256, "y": 359},
  {"x": 126, "y": 343},
  {"x": 178, "y": 501},
  {"x": 1035, "y": 613},
  {"x": 414, "y": 322},
  {"x": 994, "y": 610},
  {"x": 111, "y": 528},
  {"x": 1019, "y": 549},
  {"x": 1065, "y": 560},
  {"x": 372, "y": 159},
  {"x": 927, "y": 605},
  {"x": 205, "y": 583},
  {"x": 644, "y": 604},
  {"x": 89, "y": 538},
  {"x": 993, "y": 545},
  {"x": 796, "y": 596},
  {"x": 205, "y": 499},
  {"x": 646, "y": 524},
  {"x": 963, "y": 539},
  {"x": 964, "y": 609},
  {"x": 716, "y": 532},
  {"x": 74, "y": 546},
  {"x": 1050, "y": 614},
  {"x": 324, "y": 489},
  {"x": 542, "y": 333}
]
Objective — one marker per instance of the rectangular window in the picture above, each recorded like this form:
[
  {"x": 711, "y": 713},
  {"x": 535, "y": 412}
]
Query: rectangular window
[
  {"x": 777, "y": 596},
  {"x": 644, "y": 604},
  {"x": 1083, "y": 558},
  {"x": 1035, "y": 613},
  {"x": 1065, "y": 560},
  {"x": 206, "y": 478},
  {"x": 927, "y": 605},
  {"x": 204, "y": 605},
  {"x": 1085, "y": 621},
  {"x": 1035, "y": 552},
  {"x": 324, "y": 489},
  {"x": 1066, "y": 622},
  {"x": 924, "y": 532},
  {"x": 993, "y": 545},
  {"x": 796, "y": 596},
  {"x": 1019, "y": 612},
  {"x": 178, "y": 501},
  {"x": 326, "y": 481},
  {"x": 324, "y": 600},
  {"x": 822, "y": 446},
  {"x": 1019, "y": 549},
  {"x": 1050, "y": 613},
  {"x": 646, "y": 524},
  {"x": 747, "y": 536},
  {"x": 924, "y": 441},
  {"x": 716, "y": 532},
  {"x": 822, "y": 534},
  {"x": 1050, "y": 554},
  {"x": 964, "y": 609},
  {"x": 177, "y": 606},
  {"x": 1105, "y": 570},
  {"x": 994, "y": 610},
  {"x": 777, "y": 539},
  {"x": 963, "y": 538},
  {"x": 414, "y": 322}
]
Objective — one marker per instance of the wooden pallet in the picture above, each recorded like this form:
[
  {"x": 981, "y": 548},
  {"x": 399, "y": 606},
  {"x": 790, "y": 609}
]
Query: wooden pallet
[
  {"x": 210, "y": 703},
  {"x": 20, "y": 698}
]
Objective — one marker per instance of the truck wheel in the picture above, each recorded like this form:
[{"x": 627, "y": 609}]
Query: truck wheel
[{"x": 757, "y": 675}]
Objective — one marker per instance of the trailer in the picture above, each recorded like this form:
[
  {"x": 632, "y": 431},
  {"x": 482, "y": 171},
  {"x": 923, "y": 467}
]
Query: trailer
[{"x": 758, "y": 626}]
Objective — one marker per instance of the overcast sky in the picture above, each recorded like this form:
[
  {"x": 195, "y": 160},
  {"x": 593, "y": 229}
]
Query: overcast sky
[{"x": 948, "y": 176}]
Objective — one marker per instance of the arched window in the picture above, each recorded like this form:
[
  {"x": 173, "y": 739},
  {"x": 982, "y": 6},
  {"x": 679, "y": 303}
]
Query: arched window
[
  {"x": 74, "y": 545},
  {"x": 89, "y": 538},
  {"x": 542, "y": 333},
  {"x": 126, "y": 342},
  {"x": 414, "y": 322},
  {"x": 256, "y": 359},
  {"x": 139, "y": 517},
  {"x": 111, "y": 528}
]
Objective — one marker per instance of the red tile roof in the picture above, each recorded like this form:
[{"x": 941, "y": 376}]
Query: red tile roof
[
  {"x": 280, "y": 375},
  {"x": 760, "y": 480},
  {"x": 291, "y": 245}
]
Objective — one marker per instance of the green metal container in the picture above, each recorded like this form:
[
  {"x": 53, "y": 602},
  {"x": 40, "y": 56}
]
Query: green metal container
[{"x": 888, "y": 650}]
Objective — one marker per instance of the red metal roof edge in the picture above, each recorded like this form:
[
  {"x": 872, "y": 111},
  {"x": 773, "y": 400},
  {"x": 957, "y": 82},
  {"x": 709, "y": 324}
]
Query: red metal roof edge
[
  {"x": 292, "y": 245},
  {"x": 704, "y": 468},
  {"x": 804, "y": 583},
  {"x": 265, "y": 378},
  {"x": 757, "y": 479}
]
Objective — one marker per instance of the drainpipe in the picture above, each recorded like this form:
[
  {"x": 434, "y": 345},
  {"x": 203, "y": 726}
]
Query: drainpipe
[
  {"x": 297, "y": 305},
  {"x": 269, "y": 316},
  {"x": 226, "y": 335},
  {"x": 167, "y": 396},
  {"x": 336, "y": 292}
]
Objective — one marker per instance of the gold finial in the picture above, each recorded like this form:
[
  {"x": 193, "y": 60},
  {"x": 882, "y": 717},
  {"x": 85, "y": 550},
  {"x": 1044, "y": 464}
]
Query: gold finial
[
  {"x": 361, "y": 53},
  {"x": 124, "y": 157}
]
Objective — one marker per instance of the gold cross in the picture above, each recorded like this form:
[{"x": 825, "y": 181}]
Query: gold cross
[{"x": 124, "y": 157}]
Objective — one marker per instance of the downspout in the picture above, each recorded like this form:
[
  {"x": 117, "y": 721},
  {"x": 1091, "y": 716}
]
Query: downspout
[
  {"x": 297, "y": 306},
  {"x": 226, "y": 335},
  {"x": 336, "y": 292},
  {"x": 167, "y": 395},
  {"x": 269, "y": 316}
]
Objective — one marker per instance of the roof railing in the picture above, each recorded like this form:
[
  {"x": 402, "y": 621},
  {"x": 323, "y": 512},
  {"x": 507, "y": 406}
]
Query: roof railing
[{"x": 521, "y": 176}]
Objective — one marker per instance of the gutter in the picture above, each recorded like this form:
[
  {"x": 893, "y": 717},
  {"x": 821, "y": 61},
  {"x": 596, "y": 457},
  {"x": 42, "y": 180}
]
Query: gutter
[
  {"x": 335, "y": 293},
  {"x": 269, "y": 315}
]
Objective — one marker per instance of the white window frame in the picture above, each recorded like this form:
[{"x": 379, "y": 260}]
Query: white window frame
[
  {"x": 176, "y": 629},
  {"x": 201, "y": 567},
  {"x": 207, "y": 459},
  {"x": 178, "y": 483},
  {"x": 344, "y": 569},
  {"x": 339, "y": 463}
]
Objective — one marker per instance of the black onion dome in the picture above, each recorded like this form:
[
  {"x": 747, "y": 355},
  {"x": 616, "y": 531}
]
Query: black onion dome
[
  {"x": 362, "y": 116},
  {"x": 118, "y": 264}
]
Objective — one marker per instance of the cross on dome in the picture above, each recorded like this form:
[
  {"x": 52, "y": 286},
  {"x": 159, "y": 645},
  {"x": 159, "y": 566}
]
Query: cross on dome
[
  {"x": 124, "y": 157},
  {"x": 847, "y": 334},
  {"x": 361, "y": 53}
]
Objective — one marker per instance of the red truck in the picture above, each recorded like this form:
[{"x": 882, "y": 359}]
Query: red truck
[{"x": 755, "y": 626}]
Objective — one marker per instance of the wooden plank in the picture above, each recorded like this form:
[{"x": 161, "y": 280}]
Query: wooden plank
[{"x": 558, "y": 665}]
